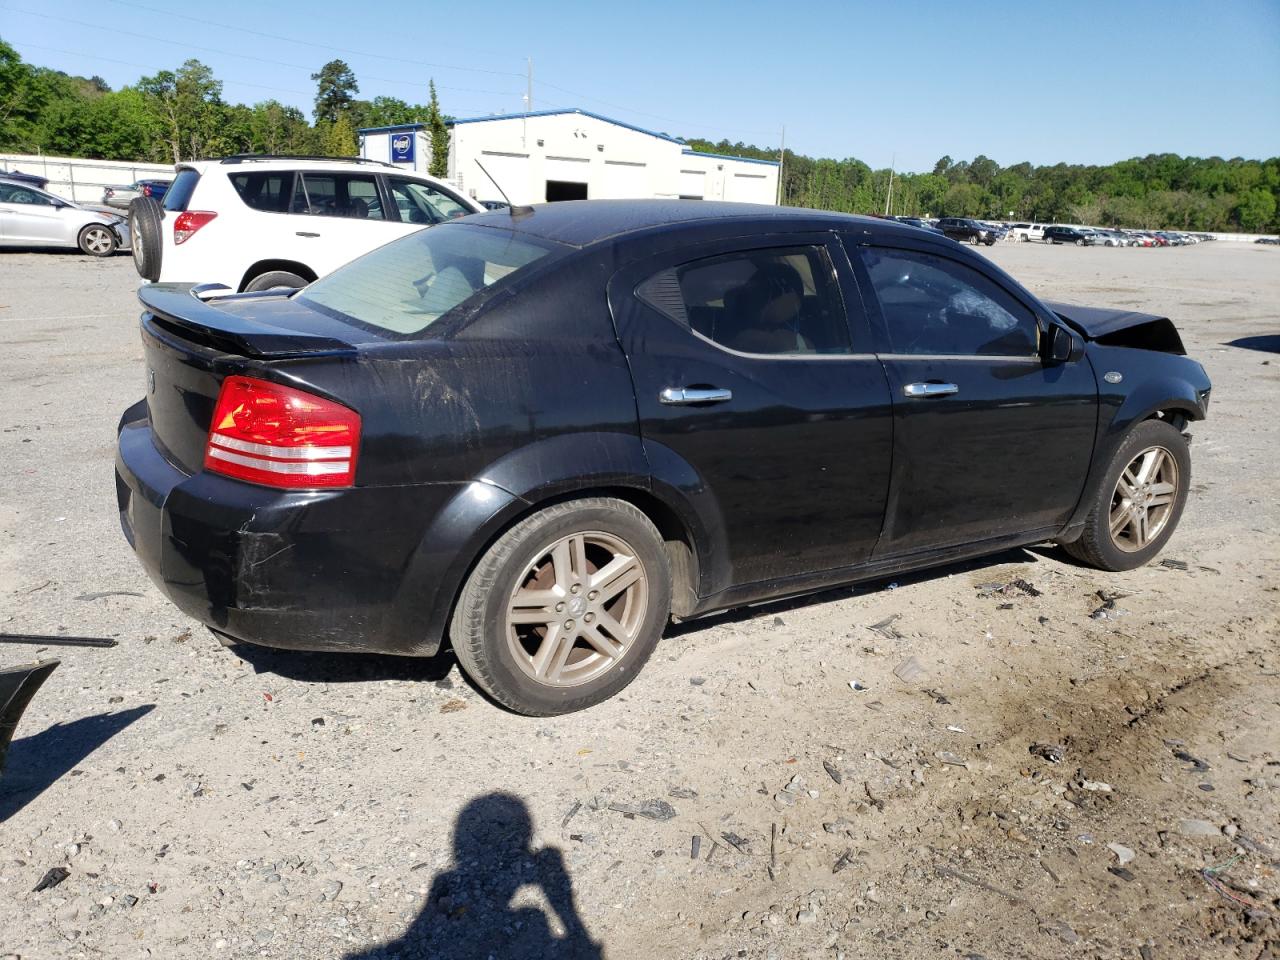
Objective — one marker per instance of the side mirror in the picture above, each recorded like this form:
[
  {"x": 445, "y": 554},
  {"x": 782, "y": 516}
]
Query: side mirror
[{"x": 1064, "y": 346}]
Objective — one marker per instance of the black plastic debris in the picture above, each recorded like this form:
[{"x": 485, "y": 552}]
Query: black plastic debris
[
  {"x": 1053, "y": 752},
  {"x": 741, "y": 844},
  {"x": 108, "y": 593},
  {"x": 846, "y": 859},
  {"x": 650, "y": 809},
  {"x": 1122, "y": 873},
  {"x": 40, "y": 640},
  {"x": 682, "y": 793},
  {"x": 1170, "y": 564},
  {"x": 51, "y": 879},
  {"x": 1016, "y": 586},
  {"x": 833, "y": 771},
  {"x": 17, "y": 686},
  {"x": 1197, "y": 765},
  {"x": 695, "y": 847}
]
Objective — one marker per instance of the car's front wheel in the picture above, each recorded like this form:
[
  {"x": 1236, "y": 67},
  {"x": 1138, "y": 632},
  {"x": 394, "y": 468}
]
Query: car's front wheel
[
  {"x": 97, "y": 240},
  {"x": 565, "y": 608},
  {"x": 1137, "y": 504},
  {"x": 1079, "y": 243}
]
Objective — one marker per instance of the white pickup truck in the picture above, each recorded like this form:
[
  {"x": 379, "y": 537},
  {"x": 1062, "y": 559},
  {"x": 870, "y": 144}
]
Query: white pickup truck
[{"x": 1028, "y": 231}]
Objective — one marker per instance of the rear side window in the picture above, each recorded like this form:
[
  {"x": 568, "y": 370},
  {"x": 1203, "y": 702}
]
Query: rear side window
[
  {"x": 419, "y": 203},
  {"x": 268, "y": 191},
  {"x": 337, "y": 195},
  {"x": 179, "y": 193},
  {"x": 407, "y": 285},
  {"x": 779, "y": 301},
  {"x": 936, "y": 306}
]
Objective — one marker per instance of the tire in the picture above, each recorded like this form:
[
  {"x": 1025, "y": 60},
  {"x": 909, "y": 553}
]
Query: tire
[
  {"x": 502, "y": 657},
  {"x": 1096, "y": 546},
  {"x": 98, "y": 240},
  {"x": 1079, "y": 243},
  {"x": 145, "y": 237},
  {"x": 1023, "y": 238},
  {"x": 275, "y": 279}
]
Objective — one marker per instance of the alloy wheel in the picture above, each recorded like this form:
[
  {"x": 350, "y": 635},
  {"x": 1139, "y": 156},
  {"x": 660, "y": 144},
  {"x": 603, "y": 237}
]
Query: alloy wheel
[
  {"x": 98, "y": 239},
  {"x": 1143, "y": 499},
  {"x": 577, "y": 609}
]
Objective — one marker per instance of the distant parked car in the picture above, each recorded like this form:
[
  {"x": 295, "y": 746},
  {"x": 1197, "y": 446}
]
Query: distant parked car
[
  {"x": 919, "y": 223},
  {"x": 1271, "y": 240},
  {"x": 965, "y": 229},
  {"x": 1068, "y": 235},
  {"x": 1107, "y": 238},
  {"x": 1026, "y": 232},
  {"x": 123, "y": 196},
  {"x": 30, "y": 217}
]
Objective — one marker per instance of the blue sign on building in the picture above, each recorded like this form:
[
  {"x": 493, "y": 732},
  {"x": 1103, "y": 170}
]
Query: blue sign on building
[{"x": 402, "y": 147}]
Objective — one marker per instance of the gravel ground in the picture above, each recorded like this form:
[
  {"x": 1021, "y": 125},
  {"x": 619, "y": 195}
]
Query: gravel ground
[{"x": 236, "y": 803}]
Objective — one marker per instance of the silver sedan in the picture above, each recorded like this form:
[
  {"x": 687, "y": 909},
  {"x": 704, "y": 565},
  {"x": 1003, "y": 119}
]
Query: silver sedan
[{"x": 36, "y": 218}]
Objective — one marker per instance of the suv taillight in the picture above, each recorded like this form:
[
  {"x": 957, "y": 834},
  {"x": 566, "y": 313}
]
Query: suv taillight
[
  {"x": 188, "y": 222},
  {"x": 277, "y": 436}
]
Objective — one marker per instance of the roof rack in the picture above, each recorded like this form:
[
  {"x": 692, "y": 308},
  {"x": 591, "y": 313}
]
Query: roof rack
[{"x": 266, "y": 157}]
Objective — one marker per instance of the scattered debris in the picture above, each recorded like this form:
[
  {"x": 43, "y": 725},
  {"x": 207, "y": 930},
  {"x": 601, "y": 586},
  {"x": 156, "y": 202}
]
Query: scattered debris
[
  {"x": 44, "y": 641},
  {"x": 954, "y": 729},
  {"x": 51, "y": 879},
  {"x": 833, "y": 771},
  {"x": 682, "y": 793},
  {"x": 695, "y": 847},
  {"x": 317, "y": 721},
  {"x": 741, "y": 844},
  {"x": 1009, "y": 589},
  {"x": 982, "y": 884},
  {"x": 846, "y": 859},
  {"x": 910, "y": 671},
  {"x": 1053, "y": 752},
  {"x": 773, "y": 850},
  {"x": 1123, "y": 854},
  {"x": 573, "y": 812},
  {"x": 1122, "y": 873},
  {"x": 938, "y": 697},
  {"x": 885, "y": 627},
  {"x": 1170, "y": 564},
  {"x": 650, "y": 810},
  {"x": 1197, "y": 828},
  {"x": 108, "y": 593},
  {"x": 788, "y": 794},
  {"x": 857, "y": 686},
  {"x": 1098, "y": 786},
  {"x": 951, "y": 759},
  {"x": 453, "y": 706},
  {"x": 1212, "y": 876},
  {"x": 697, "y": 681},
  {"x": 1197, "y": 765}
]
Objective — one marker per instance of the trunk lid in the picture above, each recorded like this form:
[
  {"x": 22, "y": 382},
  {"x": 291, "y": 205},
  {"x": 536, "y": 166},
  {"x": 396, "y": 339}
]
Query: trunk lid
[{"x": 191, "y": 346}]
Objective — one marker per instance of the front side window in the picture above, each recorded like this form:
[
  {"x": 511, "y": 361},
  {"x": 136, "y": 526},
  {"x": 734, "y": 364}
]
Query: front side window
[
  {"x": 779, "y": 301},
  {"x": 337, "y": 195},
  {"x": 407, "y": 285},
  {"x": 419, "y": 203},
  {"x": 935, "y": 306},
  {"x": 13, "y": 194}
]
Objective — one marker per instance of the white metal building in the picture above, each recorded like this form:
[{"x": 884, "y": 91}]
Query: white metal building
[{"x": 573, "y": 155}]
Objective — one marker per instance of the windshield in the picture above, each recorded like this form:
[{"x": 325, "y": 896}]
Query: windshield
[{"x": 407, "y": 285}]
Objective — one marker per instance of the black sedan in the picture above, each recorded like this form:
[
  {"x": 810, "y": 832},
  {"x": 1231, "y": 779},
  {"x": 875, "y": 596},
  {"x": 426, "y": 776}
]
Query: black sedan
[{"x": 538, "y": 434}]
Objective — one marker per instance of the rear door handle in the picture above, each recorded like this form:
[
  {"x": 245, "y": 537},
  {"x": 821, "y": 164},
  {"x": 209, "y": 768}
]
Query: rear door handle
[
  {"x": 304, "y": 233},
  {"x": 930, "y": 389},
  {"x": 678, "y": 395}
]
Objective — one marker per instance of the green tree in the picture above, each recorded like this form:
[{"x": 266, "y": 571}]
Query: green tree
[
  {"x": 186, "y": 109},
  {"x": 336, "y": 89},
  {"x": 1255, "y": 210},
  {"x": 439, "y": 132}
]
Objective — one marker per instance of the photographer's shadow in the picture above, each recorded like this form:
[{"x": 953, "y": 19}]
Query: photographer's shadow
[{"x": 468, "y": 913}]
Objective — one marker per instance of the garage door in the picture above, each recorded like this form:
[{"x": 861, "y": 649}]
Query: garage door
[
  {"x": 624, "y": 180},
  {"x": 510, "y": 170}
]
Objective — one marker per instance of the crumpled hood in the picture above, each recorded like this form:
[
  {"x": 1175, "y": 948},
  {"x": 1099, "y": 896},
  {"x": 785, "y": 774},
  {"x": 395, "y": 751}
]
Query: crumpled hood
[{"x": 1122, "y": 328}]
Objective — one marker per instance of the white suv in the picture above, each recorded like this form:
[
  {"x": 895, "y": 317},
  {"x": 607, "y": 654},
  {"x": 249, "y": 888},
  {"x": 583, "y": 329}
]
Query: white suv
[{"x": 257, "y": 222}]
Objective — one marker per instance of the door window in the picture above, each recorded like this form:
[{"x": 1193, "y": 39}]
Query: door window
[
  {"x": 12, "y": 194},
  {"x": 269, "y": 191},
  {"x": 419, "y": 203},
  {"x": 778, "y": 301},
  {"x": 935, "y": 306},
  {"x": 337, "y": 195}
]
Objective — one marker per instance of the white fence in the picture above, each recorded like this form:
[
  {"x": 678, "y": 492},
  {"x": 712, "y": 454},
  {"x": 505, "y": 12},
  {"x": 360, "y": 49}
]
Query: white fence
[{"x": 83, "y": 180}]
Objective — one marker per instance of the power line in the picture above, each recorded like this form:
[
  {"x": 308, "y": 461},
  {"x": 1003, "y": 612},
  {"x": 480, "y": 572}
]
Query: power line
[
  {"x": 307, "y": 43},
  {"x": 652, "y": 116},
  {"x": 247, "y": 56}
]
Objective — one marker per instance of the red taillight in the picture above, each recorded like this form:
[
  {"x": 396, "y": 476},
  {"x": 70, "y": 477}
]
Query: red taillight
[
  {"x": 277, "y": 436},
  {"x": 188, "y": 222},
  {"x": 146, "y": 191}
]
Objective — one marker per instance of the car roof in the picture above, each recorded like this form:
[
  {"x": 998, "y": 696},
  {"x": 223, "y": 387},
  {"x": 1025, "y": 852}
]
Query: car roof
[
  {"x": 246, "y": 164},
  {"x": 580, "y": 223}
]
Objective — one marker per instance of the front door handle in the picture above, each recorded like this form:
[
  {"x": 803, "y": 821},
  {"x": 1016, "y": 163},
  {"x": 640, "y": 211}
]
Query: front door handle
[
  {"x": 304, "y": 233},
  {"x": 677, "y": 395},
  {"x": 930, "y": 389}
]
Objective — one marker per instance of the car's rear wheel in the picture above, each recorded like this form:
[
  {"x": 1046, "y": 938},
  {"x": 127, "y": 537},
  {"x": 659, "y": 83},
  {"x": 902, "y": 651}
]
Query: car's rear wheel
[
  {"x": 274, "y": 280},
  {"x": 1138, "y": 503},
  {"x": 97, "y": 240},
  {"x": 1079, "y": 243},
  {"x": 145, "y": 240},
  {"x": 565, "y": 608}
]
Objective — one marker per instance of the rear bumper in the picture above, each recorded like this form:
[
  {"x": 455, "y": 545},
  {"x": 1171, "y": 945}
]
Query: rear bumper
[{"x": 347, "y": 570}]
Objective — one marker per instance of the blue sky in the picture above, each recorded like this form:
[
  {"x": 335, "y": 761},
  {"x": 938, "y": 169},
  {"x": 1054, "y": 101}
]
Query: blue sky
[{"x": 1081, "y": 82}]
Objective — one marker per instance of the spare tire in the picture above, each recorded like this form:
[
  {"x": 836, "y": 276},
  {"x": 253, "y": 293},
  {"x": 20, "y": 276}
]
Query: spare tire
[{"x": 145, "y": 216}]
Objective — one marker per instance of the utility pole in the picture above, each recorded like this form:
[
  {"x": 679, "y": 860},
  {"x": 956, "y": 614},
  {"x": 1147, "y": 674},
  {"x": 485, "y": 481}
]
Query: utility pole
[
  {"x": 528, "y": 102},
  {"x": 782, "y": 159},
  {"x": 889, "y": 196}
]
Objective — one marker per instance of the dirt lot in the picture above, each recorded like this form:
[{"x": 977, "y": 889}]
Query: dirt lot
[{"x": 210, "y": 802}]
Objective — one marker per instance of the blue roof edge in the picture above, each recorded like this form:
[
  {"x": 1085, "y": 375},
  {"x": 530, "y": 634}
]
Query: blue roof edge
[{"x": 729, "y": 156}]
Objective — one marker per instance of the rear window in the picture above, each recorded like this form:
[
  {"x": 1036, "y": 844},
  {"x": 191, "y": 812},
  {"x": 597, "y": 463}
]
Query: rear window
[
  {"x": 407, "y": 285},
  {"x": 179, "y": 193}
]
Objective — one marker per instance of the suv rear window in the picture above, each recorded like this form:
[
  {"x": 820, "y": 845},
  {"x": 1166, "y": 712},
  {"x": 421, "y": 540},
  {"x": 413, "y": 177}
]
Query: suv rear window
[
  {"x": 407, "y": 285},
  {"x": 179, "y": 193}
]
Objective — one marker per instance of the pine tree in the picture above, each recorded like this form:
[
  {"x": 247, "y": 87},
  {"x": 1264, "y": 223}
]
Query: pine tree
[{"x": 439, "y": 136}]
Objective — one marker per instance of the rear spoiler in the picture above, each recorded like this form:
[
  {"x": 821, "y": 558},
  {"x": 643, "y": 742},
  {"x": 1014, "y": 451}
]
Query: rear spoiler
[{"x": 179, "y": 308}]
